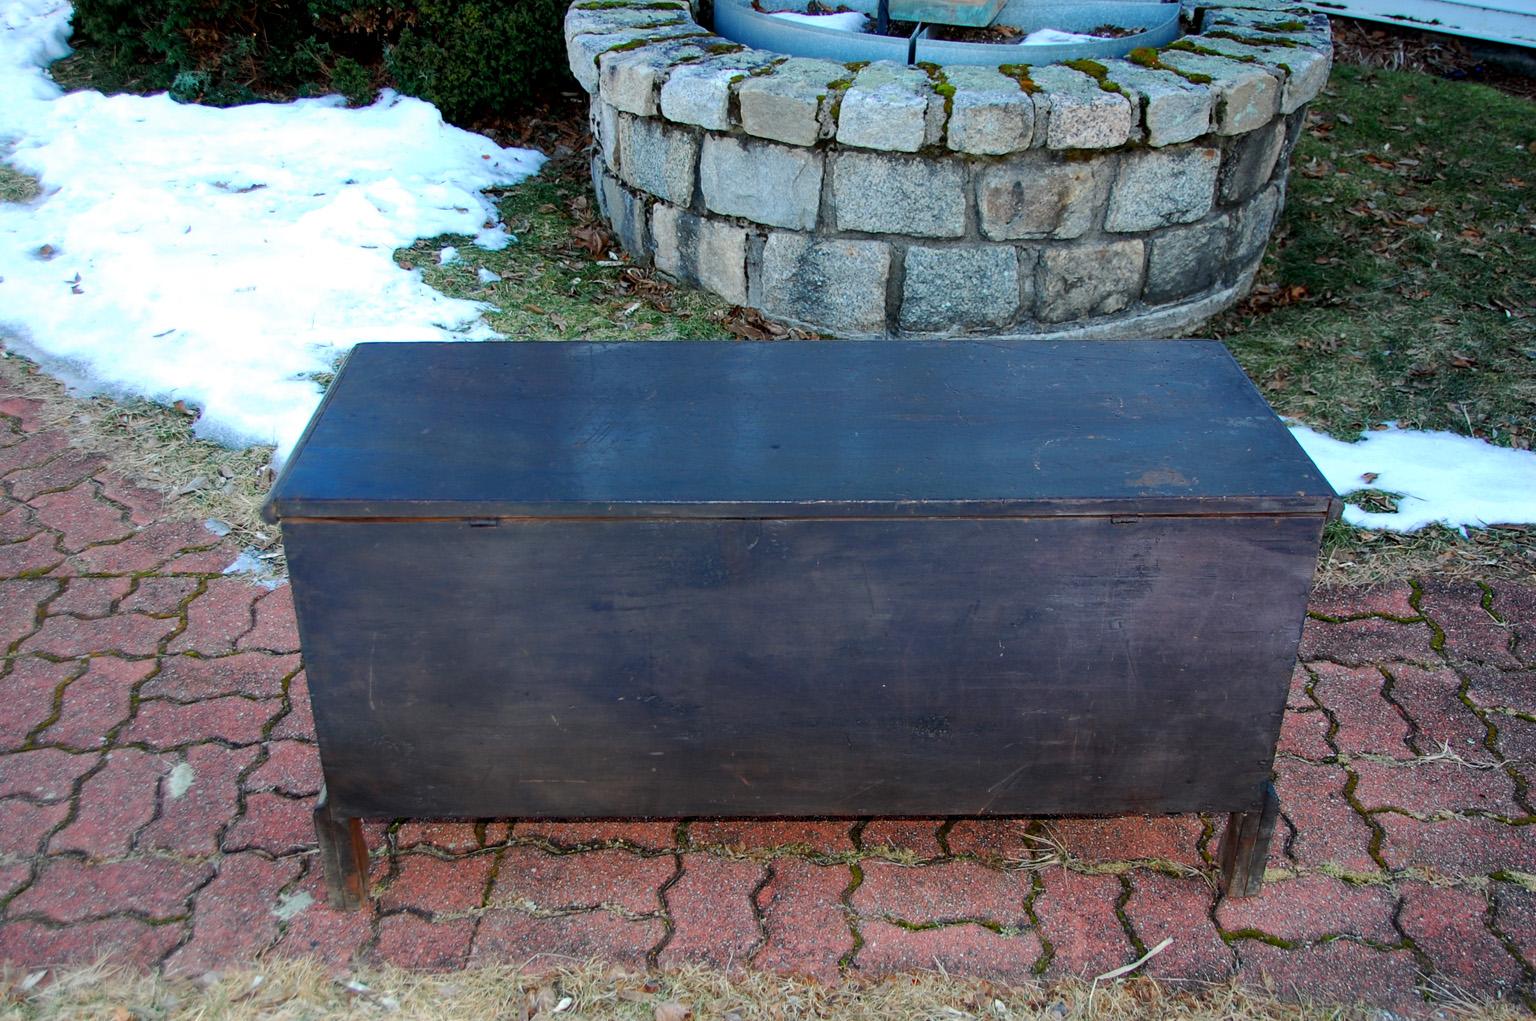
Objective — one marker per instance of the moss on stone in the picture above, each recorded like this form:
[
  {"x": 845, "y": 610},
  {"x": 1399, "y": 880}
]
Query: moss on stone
[
  {"x": 720, "y": 49},
  {"x": 1097, "y": 71},
  {"x": 1248, "y": 40},
  {"x": 1284, "y": 26},
  {"x": 1020, "y": 74}
]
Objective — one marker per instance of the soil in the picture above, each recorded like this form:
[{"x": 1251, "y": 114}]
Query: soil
[{"x": 995, "y": 33}]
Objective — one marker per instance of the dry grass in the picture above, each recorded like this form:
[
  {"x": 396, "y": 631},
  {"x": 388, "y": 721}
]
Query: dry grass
[
  {"x": 155, "y": 446},
  {"x": 16, "y": 186},
  {"x": 280, "y": 991}
]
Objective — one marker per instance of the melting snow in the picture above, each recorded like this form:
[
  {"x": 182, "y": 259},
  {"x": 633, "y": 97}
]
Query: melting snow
[
  {"x": 1055, "y": 36},
  {"x": 225, "y": 257},
  {"x": 1454, "y": 480},
  {"x": 845, "y": 21}
]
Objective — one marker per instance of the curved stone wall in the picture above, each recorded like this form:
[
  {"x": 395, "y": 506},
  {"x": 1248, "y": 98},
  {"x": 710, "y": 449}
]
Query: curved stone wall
[{"x": 1119, "y": 198}]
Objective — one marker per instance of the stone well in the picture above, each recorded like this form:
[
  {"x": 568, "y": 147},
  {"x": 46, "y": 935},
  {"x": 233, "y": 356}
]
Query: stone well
[{"x": 1116, "y": 198}]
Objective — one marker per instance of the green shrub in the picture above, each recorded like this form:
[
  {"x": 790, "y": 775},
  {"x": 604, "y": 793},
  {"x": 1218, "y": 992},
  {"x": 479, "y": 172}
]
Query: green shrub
[{"x": 473, "y": 58}]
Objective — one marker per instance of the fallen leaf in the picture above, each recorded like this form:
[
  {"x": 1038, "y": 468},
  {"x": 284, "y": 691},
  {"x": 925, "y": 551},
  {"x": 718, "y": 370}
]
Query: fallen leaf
[{"x": 671, "y": 1011}]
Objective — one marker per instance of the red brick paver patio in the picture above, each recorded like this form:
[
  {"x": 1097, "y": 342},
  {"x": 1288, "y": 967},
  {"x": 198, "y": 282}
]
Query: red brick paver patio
[{"x": 157, "y": 770}]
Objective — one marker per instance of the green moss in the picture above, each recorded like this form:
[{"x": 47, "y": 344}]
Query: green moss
[
  {"x": 1020, "y": 74},
  {"x": 1283, "y": 26},
  {"x": 943, "y": 87},
  {"x": 633, "y": 44},
  {"x": 1097, "y": 71},
  {"x": 720, "y": 49},
  {"x": 1148, "y": 58},
  {"x": 856, "y": 65},
  {"x": 1248, "y": 40},
  {"x": 1185, "y": 46},
  {"x": 1091, "y": 68},
  {"x": 839, "y": 83}
]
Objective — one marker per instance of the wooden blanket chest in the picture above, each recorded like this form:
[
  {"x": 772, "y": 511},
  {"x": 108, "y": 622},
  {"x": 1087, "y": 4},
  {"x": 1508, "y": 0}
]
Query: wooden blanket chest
[{"x": 792, "y": 579}]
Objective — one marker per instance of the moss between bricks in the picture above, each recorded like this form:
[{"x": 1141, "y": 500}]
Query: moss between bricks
[
  {"x": 1248, "y": 40},
  {"x": 1097, "y": 71},
  {"x": 1020, "y": 74},
  {"x": 1185, "y": 46},
  {"x": 1147, "y": 57}
]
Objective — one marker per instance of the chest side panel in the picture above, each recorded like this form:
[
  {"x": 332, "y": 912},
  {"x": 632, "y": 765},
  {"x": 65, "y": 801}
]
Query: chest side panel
[{"x": 810, "y": 667}]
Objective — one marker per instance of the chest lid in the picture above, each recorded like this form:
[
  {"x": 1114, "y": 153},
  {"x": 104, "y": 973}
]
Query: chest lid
[{"x": 794, "y": 429}]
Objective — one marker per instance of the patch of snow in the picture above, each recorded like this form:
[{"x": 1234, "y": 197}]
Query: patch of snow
[
  {"x": 487, "y": 277},
  {"x": 179, "y": 780},
  {"x": 1457, "y": 481},
  {"x": 844, "y": 21},
  {"x": 1054, "y": 37},
  {"x": 292, "y": 903},
  {"x": 225, "y": 257},
  {"x": 449, "y": 254},
  {"x": 217, "y": 527},
  {"x": 250, "y": 562},
  {"x": 494, "y": 239}
]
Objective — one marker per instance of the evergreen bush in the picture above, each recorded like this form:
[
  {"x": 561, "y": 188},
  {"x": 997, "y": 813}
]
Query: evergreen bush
[{"x": 473, "y": 58}]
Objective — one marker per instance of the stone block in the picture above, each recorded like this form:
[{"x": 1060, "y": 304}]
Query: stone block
[
  {"x": 604, "y": 122},
  {"x": 1088, "y": 279},
  {"x": 625, "y": 212},
  {"x": 1183, "y": 261},
  {"x": 834, "y": 283},
  {"x": 1249, "y": 161},
  {"x": 701, "y": 251},
  {"x": 631, "y": 79},
  {"x": 1036, "y": 196},
  {"x": 701, "y": 93},
  {"x": 786, "y": 103},
  {"x": 951, "y": 290},
  {"x": 605, "y": 21},
  {"x": 1309, "y": 30},
  {"x": 989, "y": 114},
  {"x": 1161, "y": 187},
  {"x": 659, "y": 159},
  {"x": 582, "y": 51},
  {"x": 886, "y": 108},
  {"x": 891, "y": 195},
  {"x": 1247, "y": 95},
  {"x": 732, "y": 172},
  {"x": 1172, "y": 109},
  {"x": 1303, "y": 70},
  {"x": 1252, "y": 225},
  {"x": 1082, "y": 115}
]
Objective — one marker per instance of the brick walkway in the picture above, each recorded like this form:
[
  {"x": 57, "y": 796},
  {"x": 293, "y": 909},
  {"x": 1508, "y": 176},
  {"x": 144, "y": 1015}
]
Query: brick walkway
[{"x": 157, "y": 771}]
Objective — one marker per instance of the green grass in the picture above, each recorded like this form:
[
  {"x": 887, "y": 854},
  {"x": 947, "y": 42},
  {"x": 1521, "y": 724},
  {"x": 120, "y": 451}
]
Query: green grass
[
  {"x": 1402, "y": 285},
  {"x": 555, "y": 288}
]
